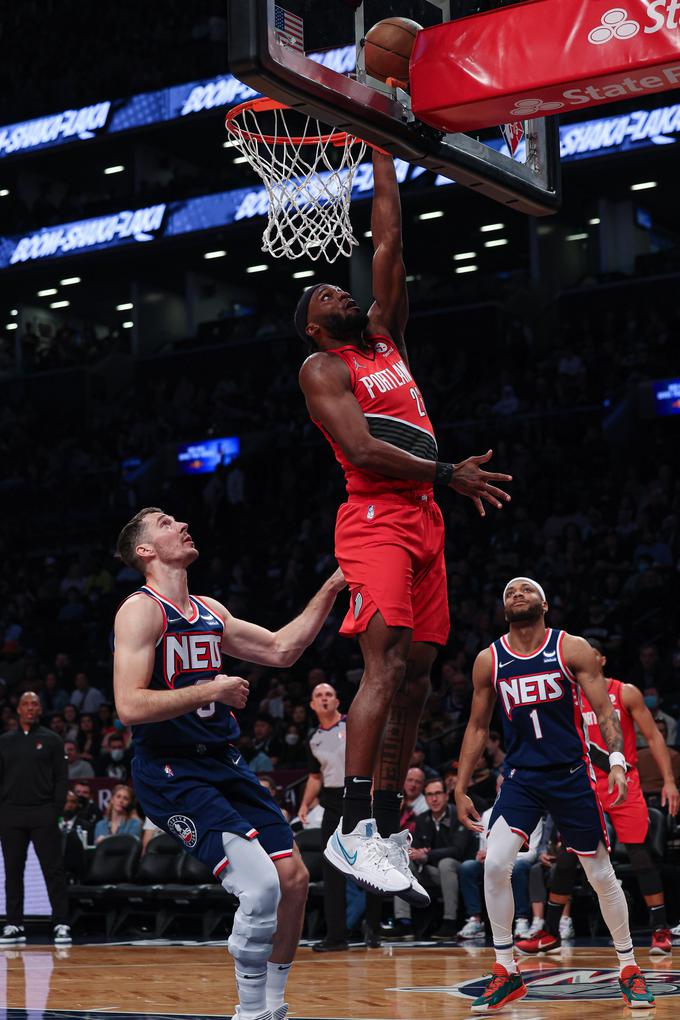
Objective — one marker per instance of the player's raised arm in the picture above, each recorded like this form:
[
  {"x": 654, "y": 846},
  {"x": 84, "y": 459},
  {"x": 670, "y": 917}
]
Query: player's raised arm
[
  {"x": 138, "y": 626},
  {"x": 582, "y": 660},
  {"x": 389, "y": 312},
  {"x": 476, "y": 735},
  {"x": 634, "y": 703},
  {"x": 283, "y": 647}
]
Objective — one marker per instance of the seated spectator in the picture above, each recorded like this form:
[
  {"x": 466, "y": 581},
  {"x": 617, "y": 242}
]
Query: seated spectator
[
  {"x": 71, "y": 723},
  {"x": 58, "y": 725},
  {"x": 495, "y": 755},
  {"x": 418, "y": 762},
  {"x": 269, "y": 784},
  {"x": 440, "y": 844},
  {"x": 265, "y": 740},
  {"x": 120, "y": 817},
  {"x": 414, "y": 802},
  {"x": 85, "y": 698},
  {"x": 77, "y": 768},
  {"x": 472, "y": 874},
  {"x": 651, "y": 779},
  {"x": 116, "y": 762},
  {"x": 651, "y": 696},
  {"x": 69, "y": 812},
  {"x": 88, "y": 737},
  {"x": 105, "y": 717},
  {"x": 294, "y": 755},
  {"x": 88, "y": 812},
  {"x": 53, "y": 697}
]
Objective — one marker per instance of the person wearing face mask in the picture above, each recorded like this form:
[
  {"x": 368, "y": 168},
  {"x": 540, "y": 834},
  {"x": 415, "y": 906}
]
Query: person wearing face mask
[
  {"x": 115, "y": 763},
  {"x": 294, "y": 754}
]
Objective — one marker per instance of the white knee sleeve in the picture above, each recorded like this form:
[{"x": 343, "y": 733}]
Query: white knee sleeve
[
  {"x": 252, "y": 877},
  {"x": 503, "y": 845},
  {"x": 601, "y": 875}
]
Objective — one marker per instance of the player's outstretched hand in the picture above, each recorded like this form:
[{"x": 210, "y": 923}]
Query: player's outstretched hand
[
  {"x": 233, "y": 690},
  {"x": 469, "y": 479},
  {"x": 468, "y": 815},
  {"x": 617, "y": 778},
  {"x": 670, "y": 796}
]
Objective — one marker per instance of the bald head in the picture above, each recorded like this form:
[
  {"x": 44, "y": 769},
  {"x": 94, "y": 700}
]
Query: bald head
[
  {"x": 29, "y": 709},
  {"x": 324, "y": 703}
]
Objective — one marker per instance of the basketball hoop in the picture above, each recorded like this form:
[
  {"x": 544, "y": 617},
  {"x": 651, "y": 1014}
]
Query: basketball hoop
[{"x": 308, "y": 177}]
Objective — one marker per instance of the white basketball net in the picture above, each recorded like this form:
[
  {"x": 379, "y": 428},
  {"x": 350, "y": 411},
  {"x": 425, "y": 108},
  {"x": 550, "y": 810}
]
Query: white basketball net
[{"x": 309, "y": 184}]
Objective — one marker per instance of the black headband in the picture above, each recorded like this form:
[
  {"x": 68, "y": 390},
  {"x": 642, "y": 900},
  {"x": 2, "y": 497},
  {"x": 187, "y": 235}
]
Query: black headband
[{"x": 302, "y": 310}]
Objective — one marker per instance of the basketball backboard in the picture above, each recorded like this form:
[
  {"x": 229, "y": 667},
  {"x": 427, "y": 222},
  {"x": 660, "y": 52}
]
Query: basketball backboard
[{"x": 309, "y": 55}]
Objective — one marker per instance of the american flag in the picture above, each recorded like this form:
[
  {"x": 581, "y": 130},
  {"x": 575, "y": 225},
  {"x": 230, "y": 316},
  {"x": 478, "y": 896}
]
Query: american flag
[{"x": 289, "y": 28}]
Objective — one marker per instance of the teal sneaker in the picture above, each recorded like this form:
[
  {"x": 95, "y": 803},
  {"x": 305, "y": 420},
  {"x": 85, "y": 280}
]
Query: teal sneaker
[
  {"x": 502, "y": 989},
  {"x": 634, "y": 988}
]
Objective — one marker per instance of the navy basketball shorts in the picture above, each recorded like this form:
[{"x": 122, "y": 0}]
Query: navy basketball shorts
[
  {"x": 567, "y": 794},
  {"x": 197, "y": 799}
]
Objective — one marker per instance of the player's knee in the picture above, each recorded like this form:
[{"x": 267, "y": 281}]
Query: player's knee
[
  {"x": 600, "y": 871},
  {"x": 417, "y": 690},
  {"x": 497, "y": 870},
  {"x": 295, "y": 880},
  {"x": 254, "y": 924}
]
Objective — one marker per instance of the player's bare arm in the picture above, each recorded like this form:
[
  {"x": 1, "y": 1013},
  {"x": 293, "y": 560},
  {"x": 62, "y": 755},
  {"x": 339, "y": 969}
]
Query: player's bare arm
[
  {"x": 476, "y": 735},
  {"x": 312, "y": 791},
  {"x": 389, "y": 311},
  {"x": 138, "y": 627},
  {"x": 581, "y": 658},
  {"x": 326, "y": 384},
  {"x": 244, "y": 640},
  {"x": 634, "y": 703}
]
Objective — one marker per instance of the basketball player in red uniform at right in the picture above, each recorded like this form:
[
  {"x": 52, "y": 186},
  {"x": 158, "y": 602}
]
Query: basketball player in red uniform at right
[
  {"x": 630, "y": 819},
  {"x": 389, "y": 536}
]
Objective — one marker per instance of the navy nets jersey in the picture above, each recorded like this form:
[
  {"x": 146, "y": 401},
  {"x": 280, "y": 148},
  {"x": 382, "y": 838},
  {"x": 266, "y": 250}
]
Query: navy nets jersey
[
  {"x": 188, "y": 652},
  {"x": 540, "y": 705}
]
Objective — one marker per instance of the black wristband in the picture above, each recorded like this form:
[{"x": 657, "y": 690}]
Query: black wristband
[{"x": 443, "y": 472}]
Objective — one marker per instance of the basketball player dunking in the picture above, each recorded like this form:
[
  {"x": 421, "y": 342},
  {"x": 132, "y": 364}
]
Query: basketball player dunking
[
  {"x": 538, "y": 675},
  {"x": 389, "y": 537},
  {"x": 630, "y": 819},
  {"x": 188, "y": 775}
]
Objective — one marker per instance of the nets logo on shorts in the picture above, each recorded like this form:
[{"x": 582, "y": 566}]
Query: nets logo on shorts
[
  {"x": 185, "y": 829},
  {"x": 560, "y": 984}
]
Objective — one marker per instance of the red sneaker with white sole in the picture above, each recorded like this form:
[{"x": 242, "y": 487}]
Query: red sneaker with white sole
[
  {"x": 540, "y": 943},
  {"x": 662, "y": 942}
]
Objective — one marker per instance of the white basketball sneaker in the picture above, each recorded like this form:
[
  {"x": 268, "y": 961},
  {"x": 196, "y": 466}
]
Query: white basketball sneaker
[
  {"x": 567, "y": 928},
  {"x": 397, "y": 853},
  {"x": 362, "y": 855}
]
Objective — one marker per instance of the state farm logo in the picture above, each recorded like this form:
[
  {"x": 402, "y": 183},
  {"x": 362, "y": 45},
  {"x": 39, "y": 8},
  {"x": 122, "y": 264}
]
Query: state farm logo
[
  {"x": 614, "y": 24},
  {"x": 528, "y": 107}
]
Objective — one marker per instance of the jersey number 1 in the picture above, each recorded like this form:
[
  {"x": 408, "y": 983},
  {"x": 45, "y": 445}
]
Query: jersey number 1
[{"x": 533, "y": 715}]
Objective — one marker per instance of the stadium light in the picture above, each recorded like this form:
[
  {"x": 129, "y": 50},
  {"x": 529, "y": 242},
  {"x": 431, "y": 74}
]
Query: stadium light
[
  {"x": 488, "y": 228},
  {"x": 70, "y": 280},
  {"x": 256, "y": 269},
  {"x": 4, "y": 192},
  {"x": 240, "y": 159},
  {"x": 214, "y": 254},
  {"x": 49, "y": 292},
  {"x": 11, "y": 325},
  {"x": 576, "y": 237},
  {"x": 15, "y": 311},
  {"x": 303, "y": 273},
  {"x": 59, "y": 304},
  {"x": 466, "y": 269},
  {"x": 462, "y": 256},
  {"x": 643, "y": 186},
  {"x": 113, "y": 170},
  {"x": 498, "y": 243},
  {"x": 128, "y": 324},
  {"x": 125, "y": 306},
  {"x": 594, "y": 221},
  {"x": 436, "y": 214},
  {"x": 368, "y": 233}
]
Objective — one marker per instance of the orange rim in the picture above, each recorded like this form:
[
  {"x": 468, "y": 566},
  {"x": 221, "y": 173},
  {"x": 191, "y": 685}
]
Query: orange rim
[{"x": 265, "y": 105}]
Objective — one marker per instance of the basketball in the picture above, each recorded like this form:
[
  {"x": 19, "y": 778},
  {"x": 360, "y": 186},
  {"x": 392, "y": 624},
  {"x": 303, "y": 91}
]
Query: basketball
[{"x": 388, "y": 46}]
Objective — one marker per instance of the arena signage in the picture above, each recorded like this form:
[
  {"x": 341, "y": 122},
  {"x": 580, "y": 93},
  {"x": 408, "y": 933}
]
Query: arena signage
[{"x": 589, "y": 54}]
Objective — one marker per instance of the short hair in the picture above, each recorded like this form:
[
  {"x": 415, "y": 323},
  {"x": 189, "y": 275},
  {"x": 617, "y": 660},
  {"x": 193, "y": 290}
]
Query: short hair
[
  {"x": 435, "y": 779},
  {"x": 597, "y": 645},
  {"x": 130, "y": 537}
]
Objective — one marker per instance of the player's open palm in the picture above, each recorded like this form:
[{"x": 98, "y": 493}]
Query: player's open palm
[
  {"x": 232, "y": 690},
  {"x": 618, "y": 781},
  {"x": 468, "y": 815},
  {"x": 470, "y": 479}
]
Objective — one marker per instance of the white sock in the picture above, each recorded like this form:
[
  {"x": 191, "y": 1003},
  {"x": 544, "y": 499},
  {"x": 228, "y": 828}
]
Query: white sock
[
  {"x": 626, "y": 959},
  {"x": 252, "y": 993},
  {"x": 277, "y": 976},
  {"x": 506, "y": 959}
]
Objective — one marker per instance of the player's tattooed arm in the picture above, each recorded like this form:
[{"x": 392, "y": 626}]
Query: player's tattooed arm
[
  {"x": 581, "y": 659},
  {"x": 476, "y": 735}
]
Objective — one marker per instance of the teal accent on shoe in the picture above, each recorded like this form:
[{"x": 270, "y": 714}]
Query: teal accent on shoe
[
  {"x": 350, "y": 858},
  {"x": 500, "y": 989},
  {"x": 634, "y": 988}
]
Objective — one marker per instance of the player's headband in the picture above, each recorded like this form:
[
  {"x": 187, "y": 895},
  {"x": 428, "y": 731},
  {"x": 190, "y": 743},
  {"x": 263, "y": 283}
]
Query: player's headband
[
  {"x": 529, "y": 580},
  {"x": 302, "y": 310}
]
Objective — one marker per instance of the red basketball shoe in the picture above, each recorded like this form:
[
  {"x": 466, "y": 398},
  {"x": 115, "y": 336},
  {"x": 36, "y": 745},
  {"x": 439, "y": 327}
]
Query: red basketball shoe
[
  {"x": 540, "y": 943},
  {"x": 662, "y": 942}
]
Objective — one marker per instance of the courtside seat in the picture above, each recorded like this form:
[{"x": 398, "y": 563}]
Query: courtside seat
[
  {"x": 195, "y": 894},
  {"x": 160, "y": 865},
  {"x": 309, "y": 844},
  {"x": 113, "y": 863}
]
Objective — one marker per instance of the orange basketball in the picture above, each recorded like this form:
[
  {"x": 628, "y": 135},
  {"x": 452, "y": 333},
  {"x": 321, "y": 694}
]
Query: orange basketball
[{"x": 388, "y": 48}]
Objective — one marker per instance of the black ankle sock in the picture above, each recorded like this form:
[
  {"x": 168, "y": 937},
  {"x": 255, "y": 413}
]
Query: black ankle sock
[
  {"x": 356, "y": 803},
  {"x": 387, "y": 811},
  {"x": 553, "y": 916},
  {"x": 657, "y": 917}
]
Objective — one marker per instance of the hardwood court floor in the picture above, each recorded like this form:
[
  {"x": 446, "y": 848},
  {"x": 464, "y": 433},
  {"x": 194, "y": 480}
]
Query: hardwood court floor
[{"x": 152, "y": 981}]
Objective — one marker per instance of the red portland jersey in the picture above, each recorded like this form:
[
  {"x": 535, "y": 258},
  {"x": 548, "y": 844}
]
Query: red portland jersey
[
  {"x": 626, "y": 719},
  {"x": 395, "y": 412}
]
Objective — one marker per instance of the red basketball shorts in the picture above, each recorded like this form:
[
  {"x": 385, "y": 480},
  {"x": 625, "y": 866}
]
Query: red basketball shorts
[
  {"x": 391, "y": 550},
  {"x": 630, "y": 819}
]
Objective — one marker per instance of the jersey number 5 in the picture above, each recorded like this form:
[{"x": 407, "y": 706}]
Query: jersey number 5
[{"x": 205, "y": 711}]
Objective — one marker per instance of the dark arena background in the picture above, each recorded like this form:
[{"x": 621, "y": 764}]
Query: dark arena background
[{"x": 148, "y": 358}]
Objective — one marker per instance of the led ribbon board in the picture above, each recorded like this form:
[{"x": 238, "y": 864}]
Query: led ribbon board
[{"x": 557, "y": 56}]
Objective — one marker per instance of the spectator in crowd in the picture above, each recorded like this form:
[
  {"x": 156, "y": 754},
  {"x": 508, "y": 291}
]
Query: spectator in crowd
[
  {"x": 88, "y": 812},
  {"x": 472, "y": 873},
  {"x": 651, "y": 696},
  {"x": 149, "y": 833},
  {"x": 84, "y": 697},
  {"x": 418, "y": 762},
  {"x": 88, "y": 737},
  {"x": 116, "y": 762},
  {"x": 77, "y": 767},
  {"x": 293, "y": 749},
  {"x": 71, "y": 723},
  {"x": 648, "y": 670},
  {"x": 651, "y": 779},
  {"x": 58, "y": 726},
  {"x": 495, "y": 755},
  {"x": 54, "y": 698},
  {"x": 33, "y": 785},
  {"x": 265, "y": 739},
  {"x": 440, "y": 844},
  {"x": 69, "y": 811},
  {"x": 414, "y": 802},
  {"x": 120, "y": 817},
  {"x": 269, "y": 784}
]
